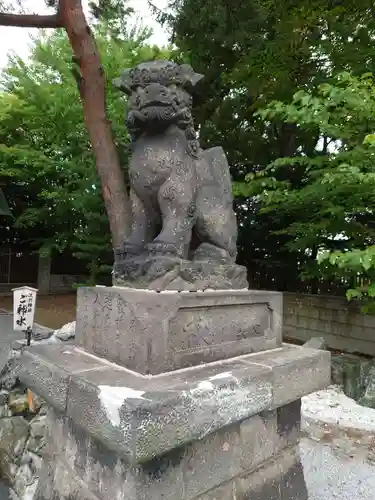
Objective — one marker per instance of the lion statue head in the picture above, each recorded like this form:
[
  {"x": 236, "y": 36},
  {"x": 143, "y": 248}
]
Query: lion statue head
[{"x": 160, "y": 95}]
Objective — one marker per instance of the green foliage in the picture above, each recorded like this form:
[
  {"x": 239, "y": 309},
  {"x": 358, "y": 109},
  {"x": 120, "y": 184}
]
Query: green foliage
[
  {"x": 114, "y": 20},
  {"x": 360, "y": 265},
  {"x": 255, "y": 52},
  {"x": 46, "y": 162},
  {"x": 329, "y": 194}
]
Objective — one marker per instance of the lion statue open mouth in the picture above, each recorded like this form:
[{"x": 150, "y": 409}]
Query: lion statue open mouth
[{"x": 184, "y": 228}]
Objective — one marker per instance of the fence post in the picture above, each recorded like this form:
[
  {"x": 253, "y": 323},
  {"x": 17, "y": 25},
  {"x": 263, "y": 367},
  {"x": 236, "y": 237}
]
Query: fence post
[
  {"x": 44, "y": 273},
  {"x": 9, "y": 264}
]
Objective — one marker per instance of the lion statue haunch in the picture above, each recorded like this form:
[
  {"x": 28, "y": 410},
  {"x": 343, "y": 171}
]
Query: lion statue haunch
[{"x": 184, "y": 228}]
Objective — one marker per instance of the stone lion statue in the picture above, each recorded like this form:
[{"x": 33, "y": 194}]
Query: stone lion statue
[{"x": 184, "y": 228}]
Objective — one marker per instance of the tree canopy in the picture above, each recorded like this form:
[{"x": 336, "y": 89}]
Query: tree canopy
[
  {"x": 253, "y": 53},
  {"x": 46, "y": 160},
  {"x": 328, "y": 197},
  {"x": 288, "y": 92}
]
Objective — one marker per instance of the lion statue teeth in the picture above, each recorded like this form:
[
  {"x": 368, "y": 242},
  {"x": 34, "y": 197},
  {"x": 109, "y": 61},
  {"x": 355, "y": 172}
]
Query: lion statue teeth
[{"x": 184, "y": 228}]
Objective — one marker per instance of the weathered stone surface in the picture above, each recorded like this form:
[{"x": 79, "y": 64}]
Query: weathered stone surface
[
  {"x": 13, "y": 437},
  {"x": 186, "y": 473},
  {"x": 151, "y": 332},
  {"x": 181, "y": 196},
  {"x": 9, "y": 374},
  {"x": 37, "y": 426},
  {"x": 212, "y": 461},
  {"x": 300, "y": 369},
  {"x": 355, "y": 374},
  {"x": 215, "y": 467},
  {"x": 66, "y": 332},
  {"x": 24, "y": 478},
  {"x": 280, "y": 478},
  {"x": 289, "y": 422},
  {"x": 58, "y": 482},
  {"x": 21, "y": 430},
  {"x": 51, "y": 377},
  {"x": 23, "y": 443},
  {"x": 142, "y": 417},
  {"x": 368, "y": 397},
  {"x": 315, "y": 343},
  {"x": 179, "y": 275}
]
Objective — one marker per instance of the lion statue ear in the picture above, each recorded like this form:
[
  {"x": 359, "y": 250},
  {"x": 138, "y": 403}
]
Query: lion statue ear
[
  {"x": 123, "y": 82},
  {"x": 190, "y": 76},
  {"x": 196, "y": 77}
]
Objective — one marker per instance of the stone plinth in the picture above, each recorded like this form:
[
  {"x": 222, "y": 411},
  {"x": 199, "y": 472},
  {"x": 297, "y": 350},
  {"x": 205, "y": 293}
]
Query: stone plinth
[
  {"x": 152, "y": 332},
  {"x": 226, "y": 430}
]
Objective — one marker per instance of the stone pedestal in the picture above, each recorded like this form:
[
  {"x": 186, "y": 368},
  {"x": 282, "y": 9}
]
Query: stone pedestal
[
  {"x": 151, "y": 332},
  {"x": 222, "y": 430}
]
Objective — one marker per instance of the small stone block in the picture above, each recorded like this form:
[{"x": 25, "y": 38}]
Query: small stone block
[
  {"x": 212, "y": 461},
  {"x": 316, "y": 343},
  {"x": 58, "y": 482},
  {"x": 280, "y": 478},
  {"x": 297, "y": 371},
  {"x": 151, "y": 332},
  {"x": 289, "y": 421}
]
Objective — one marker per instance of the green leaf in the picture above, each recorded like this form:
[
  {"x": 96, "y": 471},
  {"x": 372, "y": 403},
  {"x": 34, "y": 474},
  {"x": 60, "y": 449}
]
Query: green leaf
[
  {"x": 369, "y": 140},
  {"x": 366, "y": 261},
  {"x": 353, "y": 294},
  {"x": 371, "y": 290},
  {"x": 47, "y": 169}
]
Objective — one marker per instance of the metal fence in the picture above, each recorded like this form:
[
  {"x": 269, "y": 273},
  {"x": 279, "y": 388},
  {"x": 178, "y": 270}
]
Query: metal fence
[{"x": 18, "y": 266}]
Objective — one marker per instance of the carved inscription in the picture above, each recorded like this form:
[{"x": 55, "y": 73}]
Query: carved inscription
[{"x": 202, "y": 327}]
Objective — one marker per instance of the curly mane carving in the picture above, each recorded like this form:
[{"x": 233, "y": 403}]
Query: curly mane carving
[{"x": 181, "y": 196}]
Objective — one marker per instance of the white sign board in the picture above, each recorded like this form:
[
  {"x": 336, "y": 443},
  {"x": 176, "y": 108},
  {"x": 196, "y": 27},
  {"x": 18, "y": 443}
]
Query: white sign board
[{"x": 24, "y": 299}]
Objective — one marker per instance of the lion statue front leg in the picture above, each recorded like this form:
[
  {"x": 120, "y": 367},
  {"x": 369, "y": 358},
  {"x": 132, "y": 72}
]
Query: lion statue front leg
[
  {"x": 145, "y": 221},
  {"x": 176, "y": 199}
]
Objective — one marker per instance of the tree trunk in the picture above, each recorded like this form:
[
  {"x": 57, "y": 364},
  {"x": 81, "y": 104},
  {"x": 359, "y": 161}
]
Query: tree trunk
[{"x": 91, "y": 83}]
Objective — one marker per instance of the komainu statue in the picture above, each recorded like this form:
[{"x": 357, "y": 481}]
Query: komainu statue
[{"x": 184, "y": 228}]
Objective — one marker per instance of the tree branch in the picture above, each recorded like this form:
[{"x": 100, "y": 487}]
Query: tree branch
[{"x": 30, "y": 20}]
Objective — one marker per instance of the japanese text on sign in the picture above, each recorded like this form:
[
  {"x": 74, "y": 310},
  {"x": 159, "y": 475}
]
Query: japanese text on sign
[{"x": 24, "y": 299}]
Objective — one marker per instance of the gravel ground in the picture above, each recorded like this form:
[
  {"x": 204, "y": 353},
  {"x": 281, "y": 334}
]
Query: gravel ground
[
  {"x": 339, "y": 453},
  {"x": 331, "y": 407},
  {"x": 332, "y": 474}
]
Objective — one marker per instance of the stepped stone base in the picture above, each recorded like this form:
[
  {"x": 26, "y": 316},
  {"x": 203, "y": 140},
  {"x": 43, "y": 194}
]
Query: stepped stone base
[
  {"x": 227, "y": 430},
  {"x": 256, "y": 459},
  {"x": 152, "y": 332}
]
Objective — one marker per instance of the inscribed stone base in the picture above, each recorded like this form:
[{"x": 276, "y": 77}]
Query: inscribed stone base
[
  {"x": 226, "y": 430},
  {"x": 151, "y": 332}
]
